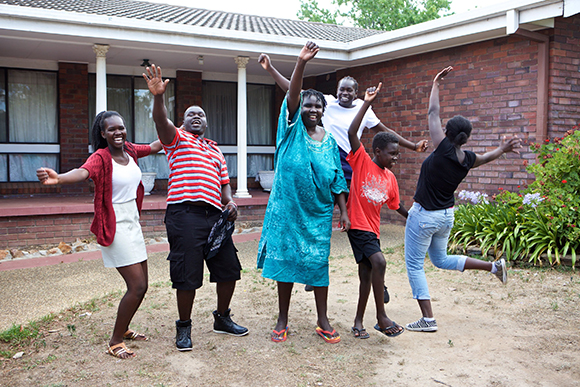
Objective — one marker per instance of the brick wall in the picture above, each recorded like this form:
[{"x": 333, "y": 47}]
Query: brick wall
[
  {"x": 187, "y": 92},
  {"x": 564, "y": 92},
  {"x": 74, "y": 126},
  {"x": 27, "y": 231}
]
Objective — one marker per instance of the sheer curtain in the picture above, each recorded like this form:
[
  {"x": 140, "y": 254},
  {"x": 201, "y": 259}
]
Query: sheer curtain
[
  {"x": 32, "y": 104},
  {"x": 3, "y": 168},
  {"x": 126, "y": 95},
  {"x": 3, "y": 129},
  {"x": 23, "y": 166},
  {"x": 145, "y": 131},
  {"x": 221, "y": 108},
  {"x": 260, "y": 104}
]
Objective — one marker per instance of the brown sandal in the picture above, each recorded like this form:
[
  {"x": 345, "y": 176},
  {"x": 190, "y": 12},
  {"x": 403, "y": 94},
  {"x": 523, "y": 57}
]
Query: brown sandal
[
  {"x": 118, "y": 349},
  {"x": 133, "y": 335}
]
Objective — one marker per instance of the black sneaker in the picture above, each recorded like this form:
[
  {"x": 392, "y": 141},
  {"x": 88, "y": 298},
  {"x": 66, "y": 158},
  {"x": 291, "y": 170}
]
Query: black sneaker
[
  {"x": 183, "y": 336},
  {"x": 308, "y": 288},
  {"x": 223, "y": 324},
  {"x": 386, "y": 297}
]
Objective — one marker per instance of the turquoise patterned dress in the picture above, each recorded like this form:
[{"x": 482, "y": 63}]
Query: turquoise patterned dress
[{"x": 295, "y": 242}]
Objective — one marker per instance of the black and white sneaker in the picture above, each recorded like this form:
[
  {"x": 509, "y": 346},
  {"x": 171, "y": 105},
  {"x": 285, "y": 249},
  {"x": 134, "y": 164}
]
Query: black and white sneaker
[
  {"x": 183, "y": 335},
  {"x": 501, "y": 272},
  {"x": 223, "y": 324},
  {"x": 422, "y": 326}
]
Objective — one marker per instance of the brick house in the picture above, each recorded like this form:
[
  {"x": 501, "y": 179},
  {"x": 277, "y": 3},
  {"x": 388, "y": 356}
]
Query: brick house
[{"x": 516, "y": 71}]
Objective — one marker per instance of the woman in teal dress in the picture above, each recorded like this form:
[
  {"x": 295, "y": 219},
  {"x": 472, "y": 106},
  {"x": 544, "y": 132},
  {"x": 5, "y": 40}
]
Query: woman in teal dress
[{"x": 308, "y": 180}]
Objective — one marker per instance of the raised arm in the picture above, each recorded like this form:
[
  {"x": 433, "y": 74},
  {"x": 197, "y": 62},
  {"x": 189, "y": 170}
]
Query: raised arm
[
  {"x": 308, "y": 52},
  {"x": 504, "y": 147},
  {"x": 435, "y": 129},
  {"x": 280, "y": 80},
  {"x": 49, "y": 176},
  {"x": 157, "y": 86},
  {"x": 370, "y": 95},
  {"x": 420, "y": 146}
]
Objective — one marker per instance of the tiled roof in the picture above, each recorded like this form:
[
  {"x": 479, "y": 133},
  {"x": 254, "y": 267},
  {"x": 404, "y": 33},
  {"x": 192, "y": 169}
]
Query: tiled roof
[{"x": 166, "y": 13}]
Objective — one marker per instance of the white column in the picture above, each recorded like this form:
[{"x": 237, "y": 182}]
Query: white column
[
  {"x": 101, "y": 52},
  {"x": 242, "y": 191}
]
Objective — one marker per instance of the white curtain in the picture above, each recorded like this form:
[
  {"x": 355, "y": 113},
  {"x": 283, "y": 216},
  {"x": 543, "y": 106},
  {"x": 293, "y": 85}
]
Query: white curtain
[
  {"x": 221, "y": 107},
  {"x": 3, "y": 168},
  {"x": 32, "y": 107},
  {"x": 122, "y": 96},
  {"x": 145, "y": 131},
  {"x": 23, "y": 166},
  {"x": 3, "y": 131},
  {"x": 32, "y": 103}
]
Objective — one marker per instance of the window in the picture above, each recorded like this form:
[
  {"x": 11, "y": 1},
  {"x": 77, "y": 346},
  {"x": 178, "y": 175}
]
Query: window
[
  {"x": 130, "y": 97},
  {"x": 28, "y": 123},
  {"x": 220, "y": 105}
]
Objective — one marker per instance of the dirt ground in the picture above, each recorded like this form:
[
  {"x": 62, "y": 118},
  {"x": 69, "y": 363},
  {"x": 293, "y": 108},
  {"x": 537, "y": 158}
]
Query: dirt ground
[{"x": 526, "y": 333}]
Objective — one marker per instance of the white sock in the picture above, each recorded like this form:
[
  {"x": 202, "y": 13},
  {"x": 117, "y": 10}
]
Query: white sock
[
  {"x": 429, "y": 319},
  {"x": 493, "y": 269}
]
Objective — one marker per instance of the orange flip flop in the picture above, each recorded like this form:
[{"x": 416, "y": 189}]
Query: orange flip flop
[
  {"x": 280, "y": 336},
  {"x": 328, "y": 336}
]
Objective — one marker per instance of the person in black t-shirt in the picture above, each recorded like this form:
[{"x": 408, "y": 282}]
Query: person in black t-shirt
[{"x": 431, "y": 217}]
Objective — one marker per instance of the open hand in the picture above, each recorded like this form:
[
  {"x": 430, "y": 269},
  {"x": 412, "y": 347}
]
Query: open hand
[
  {"x": 47, "y": 176},
  {"x": 442, "y": 73},
  {"x": 510, "y": 145},
  {"x": 309, "y": 51},
  {"x": 154, "y": 80},
  {"x": 371, "y": 92},
  {"x": 264, "y": 60}
]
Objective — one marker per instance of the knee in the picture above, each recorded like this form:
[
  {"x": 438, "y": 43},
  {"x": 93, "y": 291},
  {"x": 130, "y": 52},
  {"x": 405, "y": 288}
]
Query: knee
[
  {"x": 139, "y": 289},
  {"x": 378, "y": 261}
]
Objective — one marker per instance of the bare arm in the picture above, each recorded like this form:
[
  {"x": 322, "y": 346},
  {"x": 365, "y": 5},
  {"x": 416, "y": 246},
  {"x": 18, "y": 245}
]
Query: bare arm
[
  {"x": 506, "y": 146},
  {"x": 344, "y": 222},
  {"x": 228, "y": 202},
  {"x": 402, "y": 211},
  {"x": 157, "y": 86},
  {"x": 280, "y": 80},
  {"x": 155, "y": 147},
  {"x": 48, "y": 176},
  {"x": 420, "y": 146},
  {"x": 308, "y": 52},
  {"x": 437, "y": 134},
  {"x": 370, "y": 95}
]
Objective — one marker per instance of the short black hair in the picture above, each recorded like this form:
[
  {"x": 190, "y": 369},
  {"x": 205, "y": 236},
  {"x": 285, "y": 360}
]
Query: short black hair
[
  {"x": 382, "y": 139},
  {"x": 349, "y": 78},
  {"x": 316, "y": 94},
  {"x": 98, "y": 142},
  {"x": 458, "y": 130}
]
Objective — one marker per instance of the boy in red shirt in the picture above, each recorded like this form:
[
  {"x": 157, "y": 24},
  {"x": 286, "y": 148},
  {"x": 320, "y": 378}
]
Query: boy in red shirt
[{"x": 373, "y": 185}]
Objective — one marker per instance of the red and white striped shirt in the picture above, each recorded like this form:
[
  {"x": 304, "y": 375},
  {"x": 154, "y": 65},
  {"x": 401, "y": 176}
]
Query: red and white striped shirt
[{"x": 197, "y": 169}]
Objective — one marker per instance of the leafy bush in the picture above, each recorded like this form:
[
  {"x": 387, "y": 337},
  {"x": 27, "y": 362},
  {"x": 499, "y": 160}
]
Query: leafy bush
[{"x": 542, "y": 218}]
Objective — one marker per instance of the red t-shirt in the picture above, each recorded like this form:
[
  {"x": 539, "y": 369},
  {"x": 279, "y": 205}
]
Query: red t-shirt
[{"x": 370, "y": 188}]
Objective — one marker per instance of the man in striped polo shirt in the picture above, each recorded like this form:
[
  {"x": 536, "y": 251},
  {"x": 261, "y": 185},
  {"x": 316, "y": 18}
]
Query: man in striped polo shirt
[{"x": 198, "y": 189}]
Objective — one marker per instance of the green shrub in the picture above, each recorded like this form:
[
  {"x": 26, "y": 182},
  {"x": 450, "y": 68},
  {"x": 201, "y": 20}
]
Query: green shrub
[{"x": 542, "y": 218}]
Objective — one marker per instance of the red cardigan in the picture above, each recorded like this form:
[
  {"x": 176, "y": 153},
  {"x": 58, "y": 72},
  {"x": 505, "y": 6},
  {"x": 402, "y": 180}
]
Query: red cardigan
[{"x": 100, "y": 168}]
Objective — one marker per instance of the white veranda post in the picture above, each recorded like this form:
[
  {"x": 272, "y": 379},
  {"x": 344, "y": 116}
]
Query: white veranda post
[
  {"x": 242, "y": 191},
  {"x": 101, "y": 70}
]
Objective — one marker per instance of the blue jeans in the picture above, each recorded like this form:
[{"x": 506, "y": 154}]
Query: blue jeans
[{"x": 428, "y": 231}]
